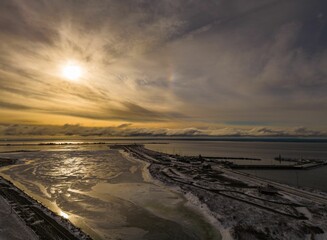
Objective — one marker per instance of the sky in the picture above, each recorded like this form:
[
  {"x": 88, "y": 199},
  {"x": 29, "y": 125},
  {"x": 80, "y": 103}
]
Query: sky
[{"x": 163, "y": 67}]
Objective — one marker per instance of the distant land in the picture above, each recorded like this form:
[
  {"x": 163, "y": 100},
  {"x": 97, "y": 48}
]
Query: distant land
[{"x": 200, "y": 138}]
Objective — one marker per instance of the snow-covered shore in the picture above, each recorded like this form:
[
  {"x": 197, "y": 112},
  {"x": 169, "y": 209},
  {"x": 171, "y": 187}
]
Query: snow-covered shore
[
  {"x": 24, "y": 218},
  {"x": 11, "y": 225},
  {"x": 243, "y": 208},
  {"x": 192, "y": 201}
]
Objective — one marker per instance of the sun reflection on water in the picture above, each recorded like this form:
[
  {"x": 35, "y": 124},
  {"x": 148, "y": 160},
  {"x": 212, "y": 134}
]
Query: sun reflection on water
[{"x": 64, "y": 215}]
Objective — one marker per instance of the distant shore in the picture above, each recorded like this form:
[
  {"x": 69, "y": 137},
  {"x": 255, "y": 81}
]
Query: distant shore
[{"x": 51, "y": 139}]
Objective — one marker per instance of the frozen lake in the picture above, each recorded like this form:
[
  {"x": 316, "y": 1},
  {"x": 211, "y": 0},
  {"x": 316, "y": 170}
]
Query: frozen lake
[
  {"x": 106, "y": 193},
  {"x": 112, "y": 197}
]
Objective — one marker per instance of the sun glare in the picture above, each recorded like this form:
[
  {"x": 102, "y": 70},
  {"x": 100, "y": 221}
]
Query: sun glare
[{"x": 72, "y": 71}]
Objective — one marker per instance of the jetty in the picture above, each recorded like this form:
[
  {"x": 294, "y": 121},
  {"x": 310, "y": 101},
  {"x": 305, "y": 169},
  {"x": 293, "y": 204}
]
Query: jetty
[{"x": 304, "y": 166}]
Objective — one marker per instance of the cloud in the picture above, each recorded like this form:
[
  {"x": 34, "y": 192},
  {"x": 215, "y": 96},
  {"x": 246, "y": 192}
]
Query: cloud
[
  {"x": 126, "y": 130},
  {"x": 200, "y": 62},
  {"x": 13, "y": 106},
  {"x": 124, "y": 125}
]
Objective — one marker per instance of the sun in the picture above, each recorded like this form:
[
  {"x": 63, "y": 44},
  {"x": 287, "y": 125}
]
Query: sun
[{"x": 72, "y": 71}]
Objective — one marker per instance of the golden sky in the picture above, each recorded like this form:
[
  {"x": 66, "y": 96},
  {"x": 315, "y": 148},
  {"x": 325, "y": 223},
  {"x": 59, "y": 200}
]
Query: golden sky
[{"x": 165, "y": 67}]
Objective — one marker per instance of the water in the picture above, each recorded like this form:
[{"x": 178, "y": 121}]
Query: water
[
  {"x": 106, "y": 193},
  {"x": 312, "y": 178},
  {"x": 112, "y": 197},
  {"x": 267, "y": 151}
]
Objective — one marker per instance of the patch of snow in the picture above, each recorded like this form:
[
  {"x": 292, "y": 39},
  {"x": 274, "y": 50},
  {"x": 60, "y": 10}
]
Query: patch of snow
[
  {"x": 37, "y": 222},
  {"x": 305, "y": 212},
  {"x": 321, "y": 236},
  {"x": 11, "y": 226},
  {"x": 195, "y": 203}
]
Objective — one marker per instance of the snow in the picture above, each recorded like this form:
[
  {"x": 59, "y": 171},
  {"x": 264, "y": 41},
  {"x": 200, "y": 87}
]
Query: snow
[
  {"x": 246, "y": 212},
  {"x": 37, "y": 222},
  {"x": 305, "y": 212},
  {"x": 321, "y": 236},
  {"x": 10, "y": 223},
  {"x": 195, "y": 203}
]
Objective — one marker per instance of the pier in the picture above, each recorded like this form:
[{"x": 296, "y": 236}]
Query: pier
[{"x": 278, "y": 167}]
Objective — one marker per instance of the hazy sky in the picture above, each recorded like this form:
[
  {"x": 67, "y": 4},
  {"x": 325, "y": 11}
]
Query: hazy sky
[{"x": 164, "y": 67}]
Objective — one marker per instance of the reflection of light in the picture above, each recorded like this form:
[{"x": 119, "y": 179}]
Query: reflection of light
[
  {"x": 64, "y": 215},
  {"x": 70, "y": 167}
]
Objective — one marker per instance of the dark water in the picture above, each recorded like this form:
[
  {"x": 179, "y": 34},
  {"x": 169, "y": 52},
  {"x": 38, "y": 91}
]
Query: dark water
[
  {"x": 265, "y": 150},
  {"x": 313, "y": 178}
]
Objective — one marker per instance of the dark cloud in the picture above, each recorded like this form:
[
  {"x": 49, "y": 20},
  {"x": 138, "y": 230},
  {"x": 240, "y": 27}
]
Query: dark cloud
[
  {"x": 127, "y": 130},
  {"x": 124, "y": 125},
  {"x": 14, "y": 106},
  {"x": 305, "y": 131},
  {"x": 207, "y": 62}
]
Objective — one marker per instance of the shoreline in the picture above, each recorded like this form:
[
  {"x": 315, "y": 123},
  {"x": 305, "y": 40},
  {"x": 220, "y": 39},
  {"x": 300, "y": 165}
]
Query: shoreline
[
  {"x": 191, "y": 201},
  {"x": 238, "y": 205},
  {"x": 197, "y": 219},
  {"x": 43, "y": 222},
  {"x": 246, "y": 208}
]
